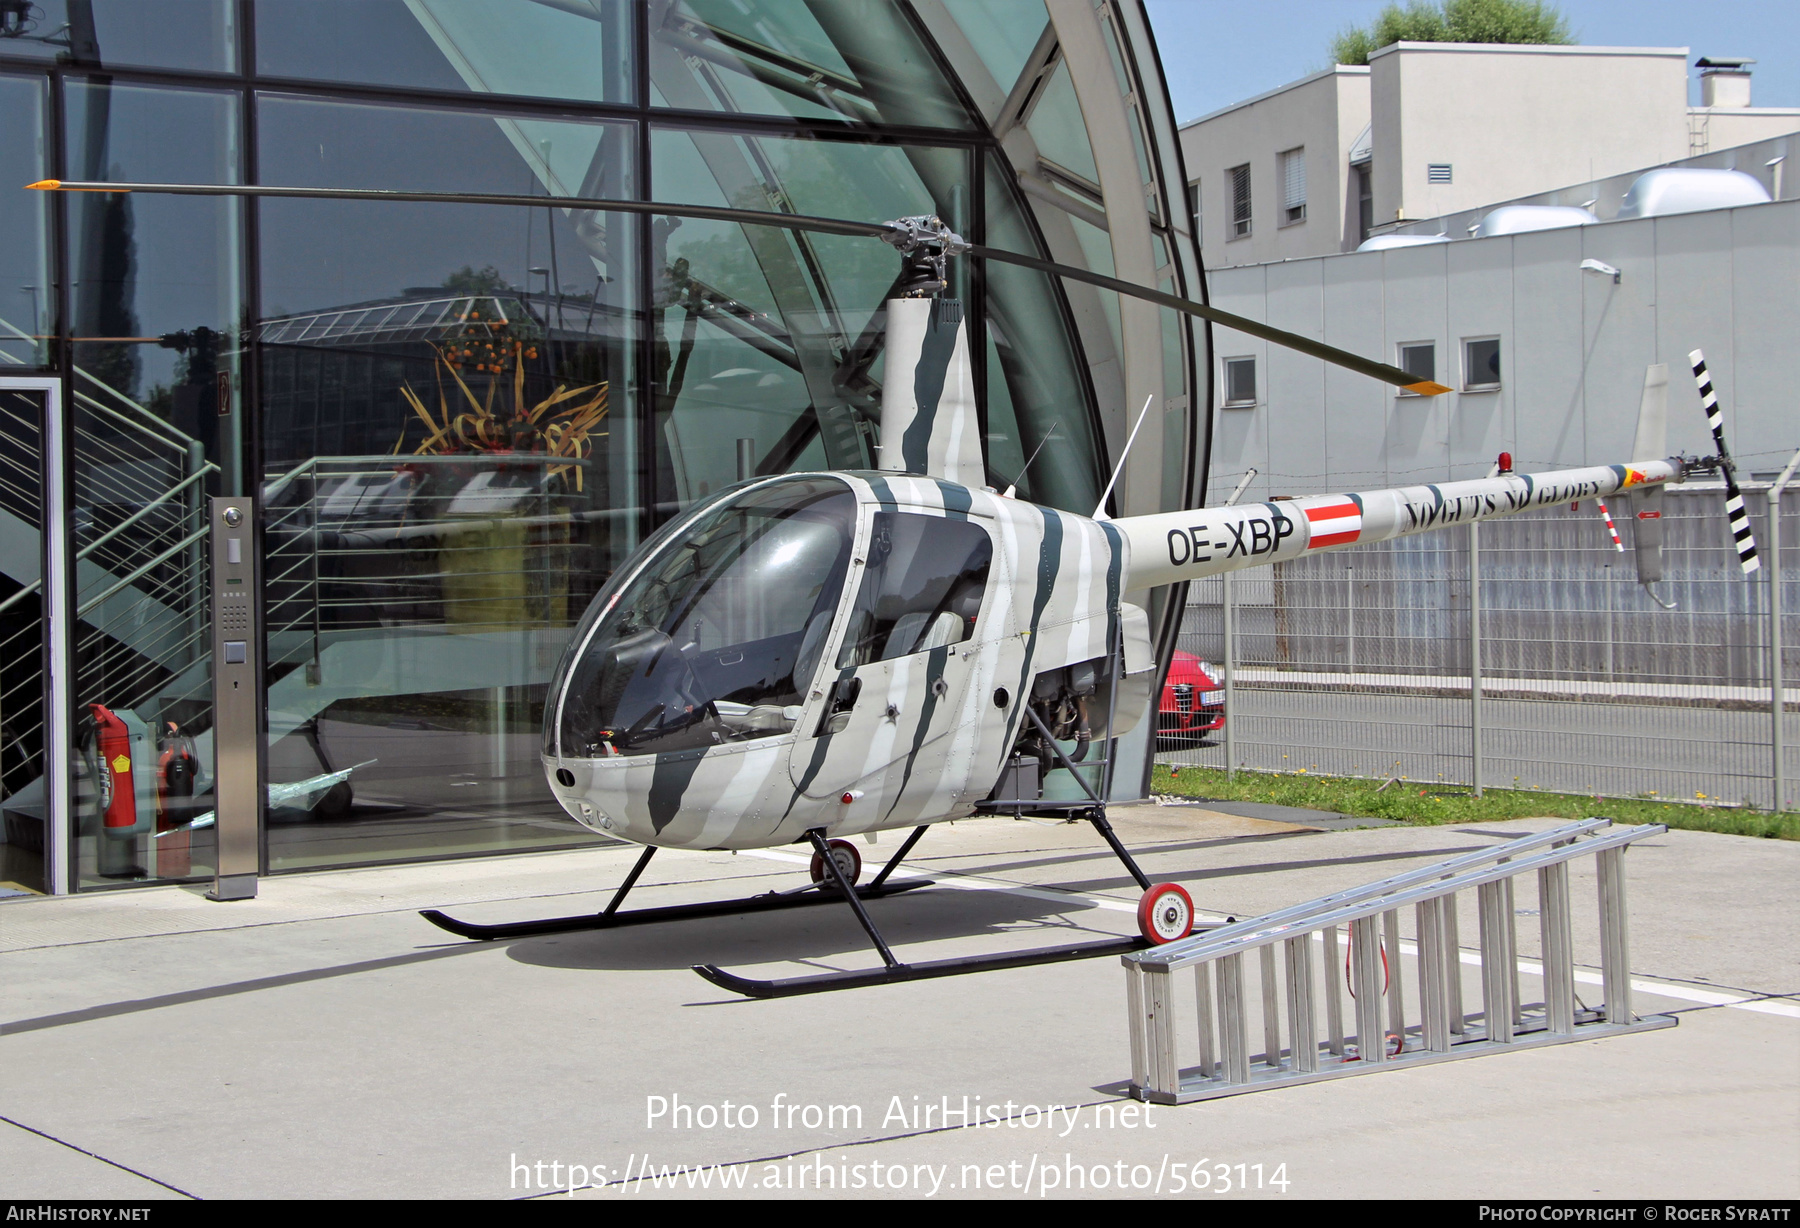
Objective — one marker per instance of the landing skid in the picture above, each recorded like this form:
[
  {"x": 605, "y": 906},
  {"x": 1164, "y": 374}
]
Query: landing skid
[
  {"x": 611, "y": 918},
  {"x": 671, "y": 912},
  {"x": 893, "y": 971}
]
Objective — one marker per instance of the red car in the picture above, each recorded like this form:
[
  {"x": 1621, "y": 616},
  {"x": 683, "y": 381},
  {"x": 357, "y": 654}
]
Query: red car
[{"x": 1193, "y": 698}]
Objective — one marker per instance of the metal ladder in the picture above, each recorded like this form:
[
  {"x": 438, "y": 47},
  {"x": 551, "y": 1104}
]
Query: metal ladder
[{"x": 1440, "y": 1028}]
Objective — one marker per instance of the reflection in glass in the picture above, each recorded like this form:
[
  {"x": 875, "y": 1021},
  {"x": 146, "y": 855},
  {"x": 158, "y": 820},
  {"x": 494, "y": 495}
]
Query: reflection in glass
[
  {"x": 774, "y": 336},
  {"x": 1036, "y": 393},
  {"x": 859, "y": 60},
  {"x": 575, "y": 49},
  {"x": 153, "y": 414},
  {"x": 198, "y": 35},
  {"x": 718, "y": 637},
  {"x": 22, "y": 679},
  {"x": 449, "y": 470},
  {"x": 25, "y": 299}
]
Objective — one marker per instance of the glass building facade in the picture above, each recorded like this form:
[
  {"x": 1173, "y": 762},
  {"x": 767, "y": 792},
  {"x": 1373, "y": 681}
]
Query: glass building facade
[{"x": 458, "y": 419}]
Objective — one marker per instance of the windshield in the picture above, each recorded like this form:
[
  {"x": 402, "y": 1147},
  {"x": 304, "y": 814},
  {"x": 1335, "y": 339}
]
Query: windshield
[{"x": 717, "y": 639}]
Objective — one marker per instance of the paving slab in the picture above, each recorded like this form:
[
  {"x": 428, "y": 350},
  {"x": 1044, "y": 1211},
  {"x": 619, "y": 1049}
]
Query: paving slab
[{"x": 325, "y": 1041}]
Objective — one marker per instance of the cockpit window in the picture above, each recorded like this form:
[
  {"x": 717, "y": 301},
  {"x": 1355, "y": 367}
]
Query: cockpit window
[
  {"x": 717, "y": 639},
  {"x": 922, "y": 588}
]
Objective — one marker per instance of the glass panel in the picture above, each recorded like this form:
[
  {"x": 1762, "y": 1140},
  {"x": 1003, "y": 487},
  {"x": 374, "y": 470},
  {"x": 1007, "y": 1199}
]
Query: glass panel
[
  {"x": 579, "y": 49},
  {"x": 450, "y": 468},
  {"x": 852, "y": 59},
  {"x": 22, "y": 678},
  {"x": 186, "y": 34},
  {"x": 769, "y": 335},
  {"x": 1003, "y": 33},
  {"x": 25, "y": 299},
  {"x": 1419, "y": 360},
  {"x": 717, "y": 639},
  {"x": 1481, "y": 363},
  {"x": 1056, "y": 124},
  {"x": 1036, "y": 394},
  {"x": 922, "y": 588},
  {"x": 156, "y": 319}
]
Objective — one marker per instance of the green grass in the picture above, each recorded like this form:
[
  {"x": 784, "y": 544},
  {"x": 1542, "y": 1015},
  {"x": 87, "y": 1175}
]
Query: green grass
[{"x": 1411, "y": 801}]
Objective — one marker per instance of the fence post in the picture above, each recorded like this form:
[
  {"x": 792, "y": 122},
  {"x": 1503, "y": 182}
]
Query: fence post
[
  {"x": 1777, "y": 687},
  {"x": 1350, "y": 616},
  {"x": 1475, "y": 654},
  {"x": 1231, "y": 712}
]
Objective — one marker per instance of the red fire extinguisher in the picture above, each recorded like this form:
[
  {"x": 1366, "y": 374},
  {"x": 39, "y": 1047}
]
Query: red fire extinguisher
[{"x": 112, "y": 746}]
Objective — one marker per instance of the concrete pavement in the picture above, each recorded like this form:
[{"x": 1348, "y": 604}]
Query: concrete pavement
[{"x": 323, "y": 1040}]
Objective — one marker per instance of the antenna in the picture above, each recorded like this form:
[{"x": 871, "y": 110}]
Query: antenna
[
  {"x": 1249, "y": 475},
  {"x": 1100, "y": 511},
  {"x": 1013, "y": 486}
]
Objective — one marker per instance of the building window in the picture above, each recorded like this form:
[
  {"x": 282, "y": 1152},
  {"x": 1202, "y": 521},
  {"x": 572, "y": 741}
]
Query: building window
[
  {"x": 1193, "y": 195},
  {"x": 1365, "y": 201},
  {"x": 1240, "y": 200},
  {"x": 1481, "y": 364},
  {"x": 1437, "y": 172},
  {"x": 1240, "y": 382},
  {"x": 1418, "y": 358},
  {"x": 1293, "y": 186}
]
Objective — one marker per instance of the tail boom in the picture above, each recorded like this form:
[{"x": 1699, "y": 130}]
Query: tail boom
[{"x": 1170, "y": 547}]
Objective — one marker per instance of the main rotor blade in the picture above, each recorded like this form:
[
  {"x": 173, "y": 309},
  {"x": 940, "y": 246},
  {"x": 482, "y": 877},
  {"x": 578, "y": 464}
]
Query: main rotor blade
[
  {"x": 1280, "y": 336},
  {"x": 711, "y": 213},
  {"x": 786, "y": 221}
]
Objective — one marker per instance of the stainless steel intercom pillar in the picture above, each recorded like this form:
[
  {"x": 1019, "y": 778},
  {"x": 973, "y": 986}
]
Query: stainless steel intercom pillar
[{"x": 235, "y": 653}]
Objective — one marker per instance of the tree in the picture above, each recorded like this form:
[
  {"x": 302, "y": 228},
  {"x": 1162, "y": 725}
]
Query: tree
[{"x": 1454, "y": 21}]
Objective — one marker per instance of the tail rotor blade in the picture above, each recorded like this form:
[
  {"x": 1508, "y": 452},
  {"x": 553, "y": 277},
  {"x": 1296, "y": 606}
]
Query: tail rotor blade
[{"x": 1735, "y": 511}]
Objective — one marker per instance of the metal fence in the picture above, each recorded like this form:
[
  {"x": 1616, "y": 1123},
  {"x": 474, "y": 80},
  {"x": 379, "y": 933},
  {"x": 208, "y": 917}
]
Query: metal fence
[{"x": 1361, "y": 662}]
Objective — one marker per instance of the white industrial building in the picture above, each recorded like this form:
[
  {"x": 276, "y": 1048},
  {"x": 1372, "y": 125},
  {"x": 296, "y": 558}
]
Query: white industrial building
[{"x": 1429, "y": 129}]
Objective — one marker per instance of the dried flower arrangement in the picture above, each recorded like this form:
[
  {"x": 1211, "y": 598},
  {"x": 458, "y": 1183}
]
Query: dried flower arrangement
[{"x": 562, "y": 424}]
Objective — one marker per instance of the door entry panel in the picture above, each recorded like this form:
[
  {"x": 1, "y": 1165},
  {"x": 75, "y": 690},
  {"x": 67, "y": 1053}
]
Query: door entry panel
[{"x": 904, "y": 659}]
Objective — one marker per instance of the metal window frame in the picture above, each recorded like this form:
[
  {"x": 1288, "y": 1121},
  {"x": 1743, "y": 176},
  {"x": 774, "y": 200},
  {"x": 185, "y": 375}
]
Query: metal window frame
[
  {"x": 1228, "y": 402},
  {"x": 1284, "y": 160},
  {"x": 1497, "y": 382},
  {"x": 1400, "y": 348},
  {"x": 57, "y": 597},
  {"x": 1240, "y": 226}
]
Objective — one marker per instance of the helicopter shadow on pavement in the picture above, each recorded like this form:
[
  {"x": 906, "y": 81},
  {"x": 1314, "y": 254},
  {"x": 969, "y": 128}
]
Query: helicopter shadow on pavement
[{"x": 825, "y": 931}]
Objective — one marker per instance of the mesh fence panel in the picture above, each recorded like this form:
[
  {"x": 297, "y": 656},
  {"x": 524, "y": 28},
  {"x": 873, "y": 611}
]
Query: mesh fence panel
[{"x": 1357, "y": 663}]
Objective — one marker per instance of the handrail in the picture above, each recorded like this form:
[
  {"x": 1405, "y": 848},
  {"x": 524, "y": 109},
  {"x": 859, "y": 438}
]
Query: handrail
[
  {"x": 117, "y": 529},
  {"x": 1216, "y": 943},
  {"x": 179, "y": 546},
  {"x": 139, "y": 427},
  {"x": 1385, "y": 887}
]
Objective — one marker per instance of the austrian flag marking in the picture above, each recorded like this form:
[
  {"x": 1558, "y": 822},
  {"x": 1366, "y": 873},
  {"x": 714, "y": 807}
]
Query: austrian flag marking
[{"x": 1337, "y": 523}]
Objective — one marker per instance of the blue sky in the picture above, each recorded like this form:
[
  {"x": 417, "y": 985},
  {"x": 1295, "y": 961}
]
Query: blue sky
[{"x": 1217, "y": 52}]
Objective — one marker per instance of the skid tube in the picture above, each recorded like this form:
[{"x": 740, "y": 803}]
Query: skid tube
[
  {"x": 612, "y": 918},
  {"x": 893, "y": 971}
]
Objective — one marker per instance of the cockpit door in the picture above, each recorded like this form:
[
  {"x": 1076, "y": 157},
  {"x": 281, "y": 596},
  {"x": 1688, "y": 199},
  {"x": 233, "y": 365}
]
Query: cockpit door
[{"x": 896, "y": 692}]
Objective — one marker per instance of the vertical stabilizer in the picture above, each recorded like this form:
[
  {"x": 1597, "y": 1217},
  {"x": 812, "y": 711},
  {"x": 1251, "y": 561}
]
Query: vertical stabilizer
[{"x": 929, "y": 425}]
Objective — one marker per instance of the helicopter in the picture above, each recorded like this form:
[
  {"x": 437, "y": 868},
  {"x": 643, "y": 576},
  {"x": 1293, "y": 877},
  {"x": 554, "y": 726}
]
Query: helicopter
[{"x": 803, "y": 657}]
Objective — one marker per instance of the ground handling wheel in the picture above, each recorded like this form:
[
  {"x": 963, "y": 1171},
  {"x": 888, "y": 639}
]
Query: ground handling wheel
[
  {"x": 1165, "y": 914},
  {"x": 849, "y": 861}
]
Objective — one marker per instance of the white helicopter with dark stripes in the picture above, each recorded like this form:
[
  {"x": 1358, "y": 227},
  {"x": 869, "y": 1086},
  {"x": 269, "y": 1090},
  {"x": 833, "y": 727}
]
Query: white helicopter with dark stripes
[{"x": 801, "y": 658}]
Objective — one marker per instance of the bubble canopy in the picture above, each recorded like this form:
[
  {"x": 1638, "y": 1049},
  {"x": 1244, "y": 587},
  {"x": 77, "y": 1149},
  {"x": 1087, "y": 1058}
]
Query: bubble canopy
[{"x": 716, "y": 637}]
